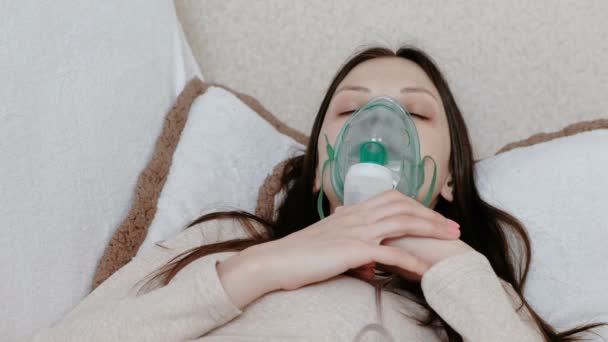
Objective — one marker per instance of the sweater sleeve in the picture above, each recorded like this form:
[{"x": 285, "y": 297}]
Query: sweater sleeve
[
  {"x": 472, "y": 299},
  {"x": 192, "y": 304}
]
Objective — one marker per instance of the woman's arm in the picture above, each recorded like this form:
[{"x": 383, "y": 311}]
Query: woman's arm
[
  {"x": 193, "y": 303},
  {"x": 464, "y": 290}
]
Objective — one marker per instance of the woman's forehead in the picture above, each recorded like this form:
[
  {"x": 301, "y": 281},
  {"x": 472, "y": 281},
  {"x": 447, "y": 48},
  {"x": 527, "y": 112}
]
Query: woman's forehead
[{"x": 388, "y": 74}]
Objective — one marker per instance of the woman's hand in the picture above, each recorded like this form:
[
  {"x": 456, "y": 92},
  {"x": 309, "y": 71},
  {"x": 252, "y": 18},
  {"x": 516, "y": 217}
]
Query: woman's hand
[{"x": 347, "y": 239}]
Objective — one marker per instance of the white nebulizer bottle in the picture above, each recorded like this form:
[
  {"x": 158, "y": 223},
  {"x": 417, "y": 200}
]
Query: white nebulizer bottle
[
  {"x": 369, "y": 177},
  {"x": 363, "y": 181}
]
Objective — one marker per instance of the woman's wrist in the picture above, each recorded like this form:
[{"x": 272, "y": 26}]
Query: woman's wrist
[{"x": 243, "y": 279}]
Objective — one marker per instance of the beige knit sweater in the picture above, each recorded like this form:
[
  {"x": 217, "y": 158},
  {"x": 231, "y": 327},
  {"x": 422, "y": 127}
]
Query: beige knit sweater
[{"x": 462, "y": 289}]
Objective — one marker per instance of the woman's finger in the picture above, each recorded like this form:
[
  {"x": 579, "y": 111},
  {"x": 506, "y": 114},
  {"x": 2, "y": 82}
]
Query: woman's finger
[
  {"x": 384, "y": 198},
  {"x": 394, "y": 256},
  {"x": 405, "y": 225},
  {"x": 403, "y": 208},
  {"x": 365, "y": 272},
  {"x": 393, "y": 202}
]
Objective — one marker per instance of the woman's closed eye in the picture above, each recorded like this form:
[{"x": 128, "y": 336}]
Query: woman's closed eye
[
  {"x": 348, "y": 112},
  {"x": 422, "y": 117}
]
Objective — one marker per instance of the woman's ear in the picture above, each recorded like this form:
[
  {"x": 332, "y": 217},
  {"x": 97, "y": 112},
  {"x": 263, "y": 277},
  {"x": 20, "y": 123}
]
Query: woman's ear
[
  {"x": 317, "y": 184},
  {"x": 447, "y": 191}
]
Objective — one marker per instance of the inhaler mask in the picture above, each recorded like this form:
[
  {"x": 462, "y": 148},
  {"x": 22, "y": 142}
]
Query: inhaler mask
[{"x": 377, "y": 150}]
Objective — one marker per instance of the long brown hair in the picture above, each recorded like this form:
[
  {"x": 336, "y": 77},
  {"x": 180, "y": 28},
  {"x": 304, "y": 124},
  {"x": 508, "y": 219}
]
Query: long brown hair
[{"x": 484, "y": 227}]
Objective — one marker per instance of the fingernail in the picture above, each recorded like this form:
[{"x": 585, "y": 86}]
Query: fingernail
[{"x": 453, "y": 226}]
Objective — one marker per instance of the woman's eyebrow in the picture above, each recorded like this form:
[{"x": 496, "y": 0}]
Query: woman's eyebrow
[
  {"x": 418, "y": 90},
  {"x": 355, "y": 88},
  {"x": 403, "y": 90}
]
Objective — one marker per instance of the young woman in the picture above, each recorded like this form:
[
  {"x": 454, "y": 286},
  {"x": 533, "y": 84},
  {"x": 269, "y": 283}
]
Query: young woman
[{"x": 446, "y": 271}]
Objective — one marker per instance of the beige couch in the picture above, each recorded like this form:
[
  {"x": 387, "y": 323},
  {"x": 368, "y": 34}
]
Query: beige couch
[
  {"x": 516, "y": 67},
  {"x": 86, "y": 87}
]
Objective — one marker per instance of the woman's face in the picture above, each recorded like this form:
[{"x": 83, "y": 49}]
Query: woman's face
[{"x": 407, "y": 82}]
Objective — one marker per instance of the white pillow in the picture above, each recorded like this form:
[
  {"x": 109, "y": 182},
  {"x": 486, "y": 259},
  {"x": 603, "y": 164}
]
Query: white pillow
[
  {"x": 86, "y": 87},
  {"x": 224, "y": 154},
  {"x": 559, "y": 190}
]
